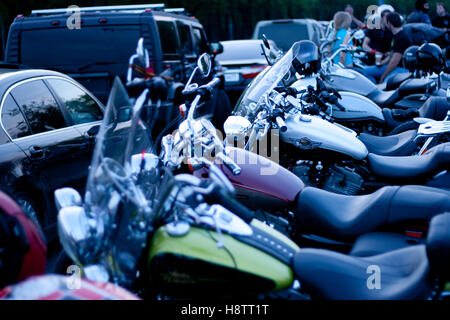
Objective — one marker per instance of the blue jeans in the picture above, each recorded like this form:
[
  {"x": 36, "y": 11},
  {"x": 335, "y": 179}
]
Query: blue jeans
[{"x": 374, "y": 72}]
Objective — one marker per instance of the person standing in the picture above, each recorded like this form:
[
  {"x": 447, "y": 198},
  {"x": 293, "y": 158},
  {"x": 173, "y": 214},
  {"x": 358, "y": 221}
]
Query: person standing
[
  {"x": 342, "y": 22},
  {"x": 391, "y": 64},
  {"x": 421, "y": 13},
  {"x": 378, "y": 40}
]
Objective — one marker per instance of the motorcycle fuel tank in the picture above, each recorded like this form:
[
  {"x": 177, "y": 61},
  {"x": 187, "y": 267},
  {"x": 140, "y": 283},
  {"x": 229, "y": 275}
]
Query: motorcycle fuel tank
[
  {"x": 191, "y": 264},
  {"x": 357, "y": 106},
  {"x": 310, "y": 132},
  {"x": 343, "y": 79},
  {"x": 262, "y": 182}
]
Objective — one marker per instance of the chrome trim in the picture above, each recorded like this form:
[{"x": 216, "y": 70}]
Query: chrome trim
[{"x": 8, "y": 91}]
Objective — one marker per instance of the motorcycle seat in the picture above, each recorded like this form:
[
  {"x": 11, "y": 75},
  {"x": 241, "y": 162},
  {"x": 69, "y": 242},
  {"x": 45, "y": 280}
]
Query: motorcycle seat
[
  {"x": 373, "y": 243},
  {"x": 384, "y": 98},
  {"x": 413, "y": 86},
  {"x": 394, "y": 81},
  {"x": 344, "y": 217},
  {"x": 403, "y": 274},
  {"x": 431, "y": 162},
  {"x": 401, "y": 144}
]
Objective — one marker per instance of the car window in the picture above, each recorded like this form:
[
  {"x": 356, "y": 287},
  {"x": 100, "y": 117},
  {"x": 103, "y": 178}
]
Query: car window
[
  {"x": 185, "y": 38},
  {"x": 13, "y": 120},
  {"x": 169, "y": 39},
  {"x": 81, "y": 107},
  {"x": 284, "y": 34},
  {"x": 101, "y": 46},
  {"x": 200, "y": 43},
  {"x": 39, "y": 106}
]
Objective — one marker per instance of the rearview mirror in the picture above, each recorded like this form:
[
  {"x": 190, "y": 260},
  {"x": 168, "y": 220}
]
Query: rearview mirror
[
  {"x": 142, "y": 53},
  {"x": 265, "y": 41},
  {"x": 215, "y": 48},
  {"x": 204, "y": 64}
]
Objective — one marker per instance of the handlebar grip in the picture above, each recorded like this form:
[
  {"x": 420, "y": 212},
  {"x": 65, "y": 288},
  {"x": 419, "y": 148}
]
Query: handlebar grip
[
  {"x": 340, "y": 106},
  {"x": 281, "y": 124},
  {"x": 218, "y": 196},
  {"x": 233, "y": 167}
]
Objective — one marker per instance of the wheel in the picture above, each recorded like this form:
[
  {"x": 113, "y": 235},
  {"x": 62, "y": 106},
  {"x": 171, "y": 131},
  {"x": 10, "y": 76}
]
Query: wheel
[{"x": 30, "y": 208}]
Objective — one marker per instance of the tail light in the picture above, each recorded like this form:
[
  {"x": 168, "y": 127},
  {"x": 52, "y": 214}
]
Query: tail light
[{"x": 252, "y": 72}]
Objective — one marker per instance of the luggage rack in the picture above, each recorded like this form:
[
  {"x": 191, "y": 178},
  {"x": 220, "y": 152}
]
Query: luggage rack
[{"x": 136, "y": 7}]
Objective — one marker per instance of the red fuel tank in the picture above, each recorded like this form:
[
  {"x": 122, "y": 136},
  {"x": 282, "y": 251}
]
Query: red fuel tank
[{"x": 262, "y": 183}]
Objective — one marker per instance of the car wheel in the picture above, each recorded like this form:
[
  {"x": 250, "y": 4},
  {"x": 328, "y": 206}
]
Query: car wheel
[{"x": 29, "y": 207}]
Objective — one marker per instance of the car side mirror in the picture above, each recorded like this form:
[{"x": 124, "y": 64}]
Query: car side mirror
[{"x": 215, "y": 48}]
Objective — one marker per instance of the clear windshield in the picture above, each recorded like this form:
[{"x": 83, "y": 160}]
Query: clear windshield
[
  {"x": 116, "y": 194},
  {"x": 253, "y": 96}
]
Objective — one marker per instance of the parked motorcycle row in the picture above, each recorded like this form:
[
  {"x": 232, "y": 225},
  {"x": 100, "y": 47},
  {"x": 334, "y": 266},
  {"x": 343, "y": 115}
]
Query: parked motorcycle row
[{"x": 298, "y": 200}]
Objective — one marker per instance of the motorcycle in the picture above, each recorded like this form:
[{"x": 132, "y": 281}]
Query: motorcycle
[
  {"x": 296, "y": 212},
  {"x": 144, "y": 228},
  {"x": 326, "y": 155},
  {"x": 361, "y": 99}
]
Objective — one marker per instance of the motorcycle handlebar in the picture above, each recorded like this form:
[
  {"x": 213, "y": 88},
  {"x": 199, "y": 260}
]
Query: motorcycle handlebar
[
  {"x": 218, "y": 196},
  {"x": 230, "y": 164}
]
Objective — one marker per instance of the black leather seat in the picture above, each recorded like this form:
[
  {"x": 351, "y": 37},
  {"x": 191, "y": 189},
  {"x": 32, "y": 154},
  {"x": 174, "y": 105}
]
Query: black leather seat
[
  {"x": 404, "y": 274},
  {"x": 343, "y": 217},
  {"x": 401, "y": 144},
  {"x": 384, "y": 98},
  {"x": 373, "y": 243},
  {"x": 396, "y": 80},
  {"x": 431, "y": 162},
  {"x": 413, "y": 86},
  {"x": 435, "y": 108}
]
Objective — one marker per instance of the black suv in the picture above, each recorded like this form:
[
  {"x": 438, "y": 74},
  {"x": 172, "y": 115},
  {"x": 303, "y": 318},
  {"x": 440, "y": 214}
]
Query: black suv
[{"x": 99, "y": 50}]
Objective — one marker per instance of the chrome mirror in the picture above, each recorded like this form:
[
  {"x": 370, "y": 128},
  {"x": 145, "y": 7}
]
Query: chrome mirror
[
  {"x": 204, "y": 64},
  {"x": 74, "y": 233},
  {"x": 142, "y": 53}
]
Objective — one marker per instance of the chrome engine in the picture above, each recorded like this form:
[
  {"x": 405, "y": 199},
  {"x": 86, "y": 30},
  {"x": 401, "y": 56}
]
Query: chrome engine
[{"x": 338, "y": 179}]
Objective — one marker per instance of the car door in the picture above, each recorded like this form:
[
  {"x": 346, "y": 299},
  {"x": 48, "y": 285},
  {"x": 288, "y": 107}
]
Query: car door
[
  {"x": 53, "y": 148},
  {"x": 85, "y": 113}
]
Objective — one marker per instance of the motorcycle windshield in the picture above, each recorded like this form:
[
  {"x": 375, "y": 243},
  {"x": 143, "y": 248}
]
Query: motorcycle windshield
[
  {"x": 117, "y": 189},
  {"x": 251, "y": 99},
  {"x": 122, "y": 137}
]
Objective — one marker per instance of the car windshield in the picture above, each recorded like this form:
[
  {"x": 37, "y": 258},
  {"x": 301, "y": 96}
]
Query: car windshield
[
  {"x": 284, "y": 34},
  {"x": 251, "y": 99}
]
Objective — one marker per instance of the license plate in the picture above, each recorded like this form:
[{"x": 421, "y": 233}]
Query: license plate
[{"x": 231, "y": 77}]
